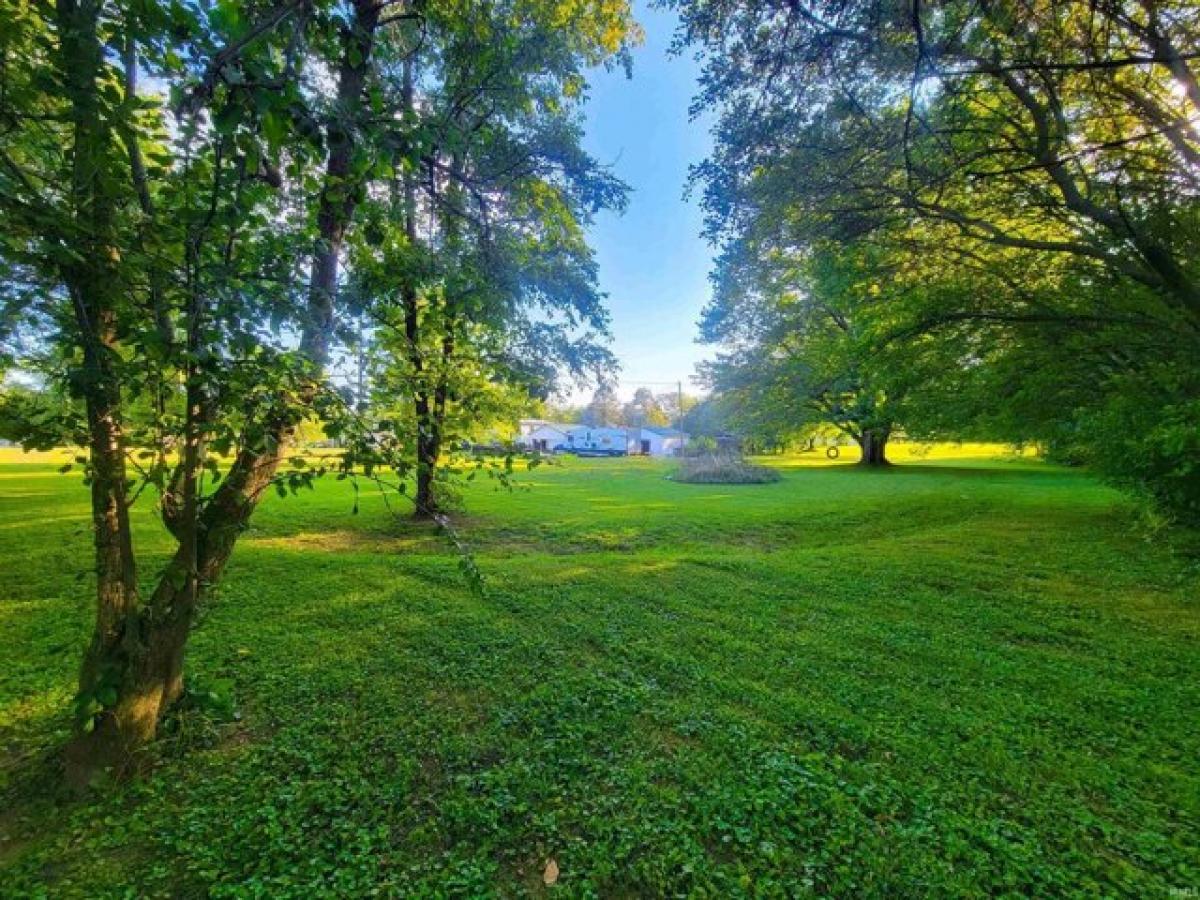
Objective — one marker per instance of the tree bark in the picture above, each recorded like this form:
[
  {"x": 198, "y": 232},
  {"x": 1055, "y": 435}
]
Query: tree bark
[
  {"x": 428, "y": 449},
  {"x": 873, "y": 442},
  {"x": 432, "y": 428},
  {"x": 91, "y": 281}
]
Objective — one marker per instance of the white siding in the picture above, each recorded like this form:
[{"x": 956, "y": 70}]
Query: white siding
[
  {"x": 546, "y": 438},
  {"x": 658, "y": 444},
  {"x": 600, "y": 438}
]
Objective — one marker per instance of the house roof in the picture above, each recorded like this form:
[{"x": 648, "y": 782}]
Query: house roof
[
  {"x": 565, "y": 428},
  {"x": 552, "y": 426}
]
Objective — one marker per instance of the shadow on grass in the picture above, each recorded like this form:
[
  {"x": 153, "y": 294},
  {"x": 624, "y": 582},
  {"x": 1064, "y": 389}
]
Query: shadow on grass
[{"x": 984, "y": 467}]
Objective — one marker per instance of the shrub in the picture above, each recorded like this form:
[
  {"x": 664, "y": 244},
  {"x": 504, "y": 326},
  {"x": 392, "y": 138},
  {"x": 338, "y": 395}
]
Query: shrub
[
  {"x": 701, "y": 445},
  {"x": 1146, "y": 439},
  {"x": 723, "y": 470}
]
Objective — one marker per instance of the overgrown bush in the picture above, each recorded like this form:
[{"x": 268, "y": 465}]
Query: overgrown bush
[
  {"x": 701, "y": 445},
  {"x": 1146, "y": 439},
  {"x": 723, "y": 470}
]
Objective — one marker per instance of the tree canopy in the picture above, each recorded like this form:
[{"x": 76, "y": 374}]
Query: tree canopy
[
  {"x": 193, "y": 192},
  {"x": 1020, "y": 181}
]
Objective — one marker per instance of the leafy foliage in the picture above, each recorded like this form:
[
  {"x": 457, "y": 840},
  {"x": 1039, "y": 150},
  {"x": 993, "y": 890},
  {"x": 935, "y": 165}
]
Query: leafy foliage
[
  {"x": 180, "y": 183},
  {"x": 1019, "y": 181},
  {"x": 797, "y": 338},
  {"x": 471, "y": 268}
]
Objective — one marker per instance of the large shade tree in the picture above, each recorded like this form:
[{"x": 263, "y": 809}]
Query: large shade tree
[
  {"x": 1035, "y": 162},
  {"x": 795, "y": 336}
]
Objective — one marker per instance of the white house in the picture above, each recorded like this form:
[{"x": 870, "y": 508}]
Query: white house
[
  {"x": 526, "y": 427},
  {"x": 586, "y": 437},
  {"x": 657, "y": 441},
  {"x": 543, "y": 436},
  {"x": 547, "y": 437}
]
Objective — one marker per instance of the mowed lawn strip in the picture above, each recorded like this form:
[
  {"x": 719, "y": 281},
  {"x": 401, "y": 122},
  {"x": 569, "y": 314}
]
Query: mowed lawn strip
[{"x": 968, "y": 675}]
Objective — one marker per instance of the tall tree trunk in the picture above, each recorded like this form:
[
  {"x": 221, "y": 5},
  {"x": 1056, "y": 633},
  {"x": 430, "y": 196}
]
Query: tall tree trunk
[
  {"x": 873, "y": 442},
  {"x": 428, "y": 427},
  {"x": 429, "y": 441},
  {"x": 431, "y": 428},
  {"x": 228, "y": 513},
  {"x": 92, "y": 282}
]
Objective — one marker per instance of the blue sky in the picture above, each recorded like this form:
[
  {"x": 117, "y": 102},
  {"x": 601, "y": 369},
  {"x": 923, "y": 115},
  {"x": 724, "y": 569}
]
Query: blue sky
[{"x": 653, "y": 263}]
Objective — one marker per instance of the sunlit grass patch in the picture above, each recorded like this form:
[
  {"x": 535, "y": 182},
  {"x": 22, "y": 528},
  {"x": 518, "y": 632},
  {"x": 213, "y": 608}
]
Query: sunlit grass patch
[{"x": 961, "y": 678}]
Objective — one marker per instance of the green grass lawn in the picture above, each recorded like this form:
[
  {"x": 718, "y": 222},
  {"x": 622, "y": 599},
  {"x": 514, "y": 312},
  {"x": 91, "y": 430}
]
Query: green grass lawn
[{"x": 958, "y": 677}]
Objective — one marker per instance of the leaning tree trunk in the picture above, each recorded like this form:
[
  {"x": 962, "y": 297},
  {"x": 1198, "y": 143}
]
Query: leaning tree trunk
[{"x": 873, "y": 442}]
